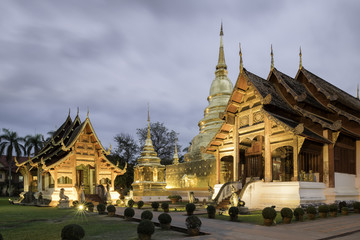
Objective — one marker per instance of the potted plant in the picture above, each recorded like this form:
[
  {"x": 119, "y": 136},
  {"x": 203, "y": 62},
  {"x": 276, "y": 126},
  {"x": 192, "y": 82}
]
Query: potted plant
[
  {"x": 72, "y": 231},
  {"x": 145, "y": 229},
  {"x": 155, "y": 206},
  {"x": 146, "y": 215},
  {"x": 299, "y": 214},
  {"x": 323, "y": 210},
  {"x": 344, "y": 211},
  {"x": 165, "y": 221},
  {"x": 190, "y": 208},
  {"x": 101, "y": 208},
  {"x": 342, "y": 204},
  {"x": 174, "y": 198},
  {"x": 129, "y": 213},
  {"x": 211, "y": 210},
  {"x": 333, "y": 209},
  {"x": 311, "y": 212},
  {"x": 90, "y": 206},
  {"x": 286, "y": 214},
  {"x": 356, "y": 206},
  {"x": 111, "y": 210},
  {"x": 140, "y": 204},
  {"x": 269, "y": 214},
  {"x": 165, "y": 206},
  {"x": 130, "y": 203},
  {"x": 75, "y": 203},
  {"x": 233, "y": 213},
  {"x": 193, "y": 224}
]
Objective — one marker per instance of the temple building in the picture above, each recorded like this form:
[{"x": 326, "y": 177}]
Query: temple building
[
  {"x": 74, "y": 160},
  {"x": 290, "y": 140},
  {"x": 149, "y": 175},
  {"x": 198, "y": 170}
]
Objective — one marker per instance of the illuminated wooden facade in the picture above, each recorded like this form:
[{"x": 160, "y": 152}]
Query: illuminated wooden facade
[
  {"x": 72, "y": 159},
  {"x": 290, "y": 129}
]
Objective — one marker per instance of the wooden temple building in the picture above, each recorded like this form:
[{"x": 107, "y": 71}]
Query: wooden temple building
[
  {"x": 290, "y": 140},
  {"x": 73, "y": 159}
]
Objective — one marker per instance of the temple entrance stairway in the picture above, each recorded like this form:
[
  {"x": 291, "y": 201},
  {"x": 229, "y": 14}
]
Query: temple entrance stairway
[{"x": 94, "y": 198}]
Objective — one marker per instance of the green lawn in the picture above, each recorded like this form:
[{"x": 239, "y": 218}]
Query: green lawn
[{"x": 28, "y": 222}]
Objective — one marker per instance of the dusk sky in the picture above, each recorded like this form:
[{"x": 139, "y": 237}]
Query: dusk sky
[{"x": 114, "y": 57}]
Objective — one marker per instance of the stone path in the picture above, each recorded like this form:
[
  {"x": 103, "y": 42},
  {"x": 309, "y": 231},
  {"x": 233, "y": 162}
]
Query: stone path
[{"x": 342, "y": 228}]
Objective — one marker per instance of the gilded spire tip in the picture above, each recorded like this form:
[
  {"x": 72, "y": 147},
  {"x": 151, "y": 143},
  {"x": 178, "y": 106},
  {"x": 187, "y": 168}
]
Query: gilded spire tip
[
  {"x": 272, "y": 58},
  {"x": 77, "y": 111},
  {"x": 87, "y": 115},
  {"x": 300, "y": 55},
  {"x": 69, "y": 112},
  {"x": 221, "y": 30},
  {"x": 148, "y": 132},
  {"x": 358, "y": 91},
  {"x": 241, "y": 60}
]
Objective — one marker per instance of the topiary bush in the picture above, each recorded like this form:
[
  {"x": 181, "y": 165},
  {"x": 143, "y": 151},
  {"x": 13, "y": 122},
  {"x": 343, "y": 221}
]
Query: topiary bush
[
  {"x": 72, "y": 232},
  {"x": 146, "y": 215},
  {"x": 311, "y": 210},
  {"x": 233, "y": 211},
  {"x": 146, "y": 227},
  {"x": 111, "y": 208},
  {"x": 130, "y": 203},
  {"x": 190, "y": 208},
  {"x": 286, "y": 213},
  {"x": 155, "y": 206},
  {"x": 342, "y": 204},
  {"x": 356, "y": 206},
  {"x": 269, "y": 213},
  {"x": 129, "y": 212},
  {"x": 333, "y": 207},
  {"x": 323, "y": 208},
  {"x": 193, "y": 222},
  {"x": 164, "y": 218},
  {"x": 299, "y": 212},
  {"x": 101, "y": 208},
  {"x": 211, "y": 210},
  {"x": 90, "y": 206},
  {"x": 165, "y": 206},
  {"x": 140, "y": 204}
]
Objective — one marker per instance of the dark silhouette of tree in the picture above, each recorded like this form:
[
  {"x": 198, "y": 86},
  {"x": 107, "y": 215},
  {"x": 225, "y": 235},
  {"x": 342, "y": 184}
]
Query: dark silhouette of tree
[
  {"x": 126, "y": 148},
  {"x": 33, "y": 144},
  {"x": 10, "y": 142},
  {"x": 163, "y": 140}
]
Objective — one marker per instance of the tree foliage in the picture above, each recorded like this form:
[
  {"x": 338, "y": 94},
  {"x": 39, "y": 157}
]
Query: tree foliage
[
  {"x": 127, "y": 148},
  {"x": 33, "y": 144},
  {"x": 163, "y": 141}
]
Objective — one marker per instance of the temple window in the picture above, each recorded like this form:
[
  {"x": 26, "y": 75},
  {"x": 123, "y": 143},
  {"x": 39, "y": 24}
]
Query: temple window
[{"x": 64, "y": 180}]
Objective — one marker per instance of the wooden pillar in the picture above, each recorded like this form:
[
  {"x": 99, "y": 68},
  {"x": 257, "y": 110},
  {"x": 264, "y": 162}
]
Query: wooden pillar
[
  {"x": 113, "y": 176},
  {"x": 328, "y": 161},
  {"x": 39, "y": 179},
  {"x": 295, "y": 159},
  {"x": 236, "y": 150},
  {"x": 218, "y": 166},
  {"x": 357, "y": 164},
  {"x": 268, "y": 159},
  {"x": 55, "y": 179}
]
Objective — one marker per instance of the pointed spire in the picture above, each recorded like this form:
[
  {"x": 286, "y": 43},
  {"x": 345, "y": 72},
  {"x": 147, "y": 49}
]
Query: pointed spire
[
  {"x": 87, "y": 115},
  {"x": 176, "y": 157},
  {"x": 241, "y": 60},
  {"x": 69, "y": 112},
  {"x": 358, "y": 91},
  {"x": 272, "y": 58},
  {"x": 77, "y": 111},
  {"x": 221, "y": 62},
  {"x": 300, "y": 63},
  {"x": 148, "y": 131}
]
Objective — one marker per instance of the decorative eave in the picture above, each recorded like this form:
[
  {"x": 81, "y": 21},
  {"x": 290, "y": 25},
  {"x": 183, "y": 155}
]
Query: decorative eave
[{"x": 343, "y": 113}]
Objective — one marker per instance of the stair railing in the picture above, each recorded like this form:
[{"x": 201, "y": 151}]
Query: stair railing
[{"x": 226, "y": 191}]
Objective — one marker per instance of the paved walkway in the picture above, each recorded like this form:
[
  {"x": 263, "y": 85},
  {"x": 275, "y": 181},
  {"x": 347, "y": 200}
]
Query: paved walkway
[{"x": 342, "y": 227}]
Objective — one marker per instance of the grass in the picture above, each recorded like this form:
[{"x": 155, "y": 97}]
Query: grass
[{"x": 30, "y": 222}]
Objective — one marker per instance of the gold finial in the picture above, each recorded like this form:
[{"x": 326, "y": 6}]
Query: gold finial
[
  {"x": 175, "y": 145},
  {"x": 148, "y": 132},
  {"x": 221, "y": 30},
  {"x": 300, "y": 63},
  {"x": 176, "y": 157},
  {"x": 241, "y": 60},
  {"x": 69, "y": 112},
  {"x": 221, "y": 61},
  {"x": 77, "y": 111},
  {"x": 87, "y": 115},
  {"x": 272, "y": 59},
  {"x": 358, "y": 91}
]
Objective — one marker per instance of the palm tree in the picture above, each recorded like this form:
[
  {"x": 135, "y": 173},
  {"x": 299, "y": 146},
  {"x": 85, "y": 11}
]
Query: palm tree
[
  {"x": 10, "y": 142},
  {"x": 35, "y": 143}
]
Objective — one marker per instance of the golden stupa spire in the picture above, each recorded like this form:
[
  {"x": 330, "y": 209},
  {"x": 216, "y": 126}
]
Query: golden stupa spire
[
  {"x": 176, "y": 156},
  {"x": 87, "y": 115},
  {"x": 300, "y": 63},
  {"x": 358, "y": 91},
  {"x": 272, "y": 59},
  {"x": 148, "y": 130},
  {"x": 241, "y": 60},
  {"x": 77, "y": 111},
  {"x": 221, "y": 62}
]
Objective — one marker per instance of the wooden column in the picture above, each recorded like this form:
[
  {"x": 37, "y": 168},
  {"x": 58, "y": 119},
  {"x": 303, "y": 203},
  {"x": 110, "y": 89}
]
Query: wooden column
[
  {"x": 55, "y": 179},
  {"x": 113, "y": 176},
  {"x": 357, "y": 164},
  {"x": 218, "y": 166},
  {"x": 236, "y": 150},
  {"x": 268, "y": 159},
  {"x": 328, "y": 161},
  {"x": 295, "y": 159}
]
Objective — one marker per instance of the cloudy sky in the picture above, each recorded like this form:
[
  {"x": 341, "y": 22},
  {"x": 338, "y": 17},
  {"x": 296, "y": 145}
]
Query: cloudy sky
[{"x": 115, "y": 56}]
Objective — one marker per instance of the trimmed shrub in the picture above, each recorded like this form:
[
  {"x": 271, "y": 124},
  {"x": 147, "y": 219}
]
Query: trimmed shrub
[
  {"x": 269, "y": 213},
  {"x": 311, "y": 210},
  {"x": 356, "y": 205},
  {"x": 164, "y": 218},
  {"x": 101, "y": 208},
  {"x": 211, "y": 209},
  {"x": 193, "y": 222},
  {"x": 111, "y": 208},
  {"x": 146, "y": 227},
  {"x": 164, "y": 205},
  {"x": 129, "y": 212},
  {"x": 333, "y": 207},
  {"x": 323, "y": 208},
  {"x": 233, "y": 211},
  {"x": 342, "y": 204},
  {"x": 130, "y": 203},
  {"x": 140, "y": 204},
  {"x": 72, "y": 232},
  {"x": 155, "y": 205},
  {"x": 299, "y": 212},
  {"x": 190, "y": 208},
  {"x": 146, "y": 215},
  {"x": 286, "y": 213}
]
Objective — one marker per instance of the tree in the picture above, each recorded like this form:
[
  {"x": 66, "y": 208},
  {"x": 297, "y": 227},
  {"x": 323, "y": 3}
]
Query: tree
[
  {"x": 35, "y": 143},
  {"x": 127, "y": 148},
  {"x": 163, "y": 141},
  {"x": 10, "y": 142}
]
